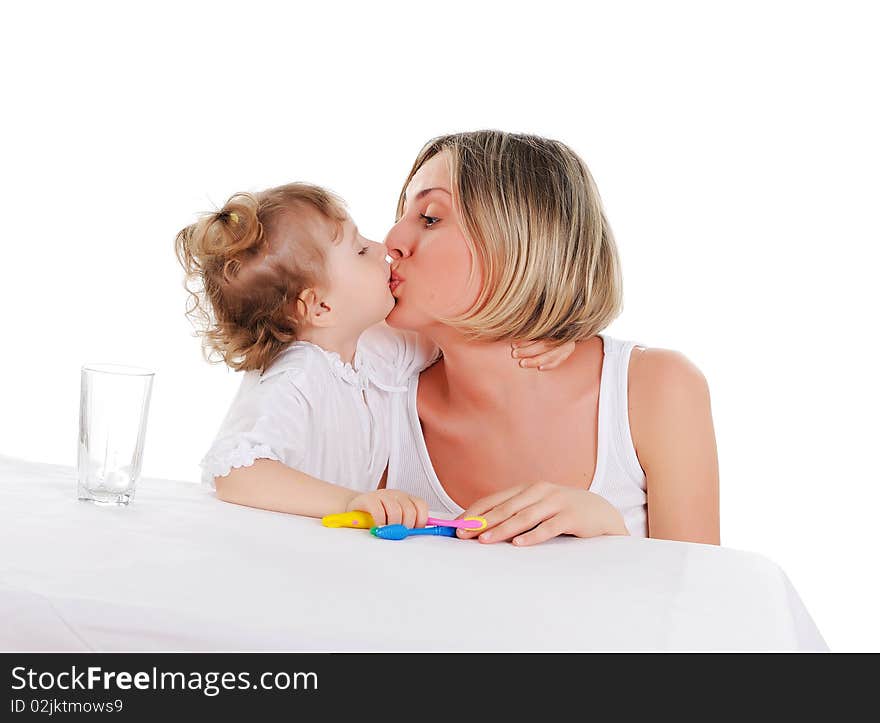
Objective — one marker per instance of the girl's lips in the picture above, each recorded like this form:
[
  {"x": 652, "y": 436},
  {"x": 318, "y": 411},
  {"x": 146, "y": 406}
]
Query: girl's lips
[{"x": 394, "y": 281}]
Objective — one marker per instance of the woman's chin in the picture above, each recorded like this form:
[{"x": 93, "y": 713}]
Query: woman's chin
[
  {"x": 409, "y": 319},
  {"x": 396, "y": 317}
]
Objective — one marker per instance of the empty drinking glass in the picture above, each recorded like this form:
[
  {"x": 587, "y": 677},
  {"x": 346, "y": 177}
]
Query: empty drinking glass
[{"x": 113, "y": 409}]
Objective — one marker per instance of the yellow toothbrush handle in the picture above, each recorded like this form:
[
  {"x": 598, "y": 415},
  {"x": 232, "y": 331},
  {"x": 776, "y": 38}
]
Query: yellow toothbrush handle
[{"x": 356, "y": 519}]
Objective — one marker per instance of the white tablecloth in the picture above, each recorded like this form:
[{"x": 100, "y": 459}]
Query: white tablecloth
[{"x": 178, "y": 570}]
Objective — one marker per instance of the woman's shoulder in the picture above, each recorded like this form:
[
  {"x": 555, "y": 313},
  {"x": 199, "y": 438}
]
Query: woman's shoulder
[
  {"x": 657, "y": 372},
  {"x": 667, "y": 394}
]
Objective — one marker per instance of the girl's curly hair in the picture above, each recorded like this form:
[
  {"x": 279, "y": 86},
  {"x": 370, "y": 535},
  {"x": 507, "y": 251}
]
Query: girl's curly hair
[{"x": 246, "y": 266}]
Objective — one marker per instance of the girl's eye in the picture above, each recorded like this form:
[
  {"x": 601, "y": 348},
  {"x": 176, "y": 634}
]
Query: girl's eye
[
  {"x": 363, "y": 250},
  {"x": 429, "y": 220}
]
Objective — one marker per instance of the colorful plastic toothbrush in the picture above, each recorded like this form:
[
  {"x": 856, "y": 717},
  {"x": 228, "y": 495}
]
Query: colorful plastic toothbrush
[
  {"x": 364, "y": 521},
  {"x": 467, "y": 523},
  {"x": 400, "y": 532}
]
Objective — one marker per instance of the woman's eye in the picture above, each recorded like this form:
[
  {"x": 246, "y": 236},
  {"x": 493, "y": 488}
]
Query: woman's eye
[
  {"x": 429, "y": 220},
  {"x": 363, "y": 250}
]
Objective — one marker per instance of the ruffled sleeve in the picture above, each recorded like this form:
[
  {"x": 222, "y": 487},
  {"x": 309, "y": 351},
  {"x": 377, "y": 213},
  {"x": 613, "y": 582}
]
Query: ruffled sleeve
[
  {"x": 268, "y": 419},
  {"x": 405, "y": 352}
]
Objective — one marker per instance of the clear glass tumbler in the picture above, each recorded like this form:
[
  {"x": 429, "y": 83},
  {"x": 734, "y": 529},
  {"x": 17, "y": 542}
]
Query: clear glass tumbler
[{"x": 113, "y": 409}]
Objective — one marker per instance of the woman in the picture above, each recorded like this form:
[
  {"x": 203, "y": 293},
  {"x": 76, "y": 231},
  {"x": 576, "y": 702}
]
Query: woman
[{"x": 502, "y": 236}]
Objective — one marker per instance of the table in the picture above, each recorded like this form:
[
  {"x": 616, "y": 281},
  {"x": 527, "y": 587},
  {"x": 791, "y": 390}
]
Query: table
[{"x": 179, "y": 570}]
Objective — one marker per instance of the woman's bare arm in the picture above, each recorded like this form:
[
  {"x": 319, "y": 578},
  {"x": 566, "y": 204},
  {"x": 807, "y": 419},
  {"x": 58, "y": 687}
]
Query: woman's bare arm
[
  {"x": 671, "y": 422},
  {"x": 271, "y": 485}
]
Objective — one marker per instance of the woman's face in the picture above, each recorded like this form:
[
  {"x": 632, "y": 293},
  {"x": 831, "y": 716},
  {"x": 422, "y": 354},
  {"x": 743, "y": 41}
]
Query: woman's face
[{"x": 432, "y": 260}]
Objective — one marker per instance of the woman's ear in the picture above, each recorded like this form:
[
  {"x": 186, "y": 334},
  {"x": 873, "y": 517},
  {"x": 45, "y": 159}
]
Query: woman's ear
[{"x": 312, "y": 309}]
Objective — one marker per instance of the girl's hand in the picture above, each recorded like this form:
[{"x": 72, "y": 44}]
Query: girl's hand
[
  {"x": 391, "y": 507},
  {"x": 529, "y": 514},
  {"x": 541, "y": 353}
]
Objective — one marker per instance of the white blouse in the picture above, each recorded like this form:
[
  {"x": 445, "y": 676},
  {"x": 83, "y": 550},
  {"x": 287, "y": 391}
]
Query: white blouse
[{"x": 315, "y": 413}]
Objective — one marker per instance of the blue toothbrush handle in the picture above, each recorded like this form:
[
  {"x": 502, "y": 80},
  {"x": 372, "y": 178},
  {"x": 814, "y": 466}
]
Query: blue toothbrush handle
[
  {"x": 443, "y": 531},
  {"x": 400, "y": 532}
]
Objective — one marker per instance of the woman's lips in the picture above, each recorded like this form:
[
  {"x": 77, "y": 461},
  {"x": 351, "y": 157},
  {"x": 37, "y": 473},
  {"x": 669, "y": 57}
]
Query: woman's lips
[{"x": 394, "y": 281}]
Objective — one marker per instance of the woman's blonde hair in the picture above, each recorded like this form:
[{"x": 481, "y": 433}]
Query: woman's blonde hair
[
  {"x": 246, "y": 266},
  {"x": 533, "y": 218}
]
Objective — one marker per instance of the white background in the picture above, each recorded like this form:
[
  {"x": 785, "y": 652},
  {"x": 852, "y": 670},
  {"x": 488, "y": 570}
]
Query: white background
[{"x": 735, "y": 146}]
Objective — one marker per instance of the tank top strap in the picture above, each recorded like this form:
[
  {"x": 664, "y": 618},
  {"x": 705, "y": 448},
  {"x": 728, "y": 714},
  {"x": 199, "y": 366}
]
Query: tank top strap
[{"x": 614, "y": 404}]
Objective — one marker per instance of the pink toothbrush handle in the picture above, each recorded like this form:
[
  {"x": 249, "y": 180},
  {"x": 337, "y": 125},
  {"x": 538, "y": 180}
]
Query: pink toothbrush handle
[{"x": 466, "y": 524}]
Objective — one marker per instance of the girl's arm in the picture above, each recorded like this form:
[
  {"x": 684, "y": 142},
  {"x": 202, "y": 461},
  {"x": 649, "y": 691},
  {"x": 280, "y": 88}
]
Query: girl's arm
[
  {"x": 409, "y": 353},
  {"x": 405, "y": 352},
  {"x": 671, "y": 423},
  {"x": 271, "y": 485}
]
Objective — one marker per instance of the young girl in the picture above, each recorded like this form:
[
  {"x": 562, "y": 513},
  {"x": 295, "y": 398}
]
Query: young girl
[{"x": 290, "y": 292}]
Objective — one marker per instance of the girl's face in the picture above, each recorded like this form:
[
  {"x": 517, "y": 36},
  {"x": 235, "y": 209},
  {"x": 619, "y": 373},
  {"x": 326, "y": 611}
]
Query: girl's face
[
  {"x": 358, "y": 273},
  {"x": 432, "y": 260}
]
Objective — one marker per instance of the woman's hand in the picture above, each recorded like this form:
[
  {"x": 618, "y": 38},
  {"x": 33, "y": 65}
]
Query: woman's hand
[
  {"x": 541, "y": 353},
  {"x": 391, "y": 507},
  {"x": 533, "y": 513}
]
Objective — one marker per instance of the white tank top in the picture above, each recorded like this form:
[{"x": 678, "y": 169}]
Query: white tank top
[{"x": 618, "y": 478}]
